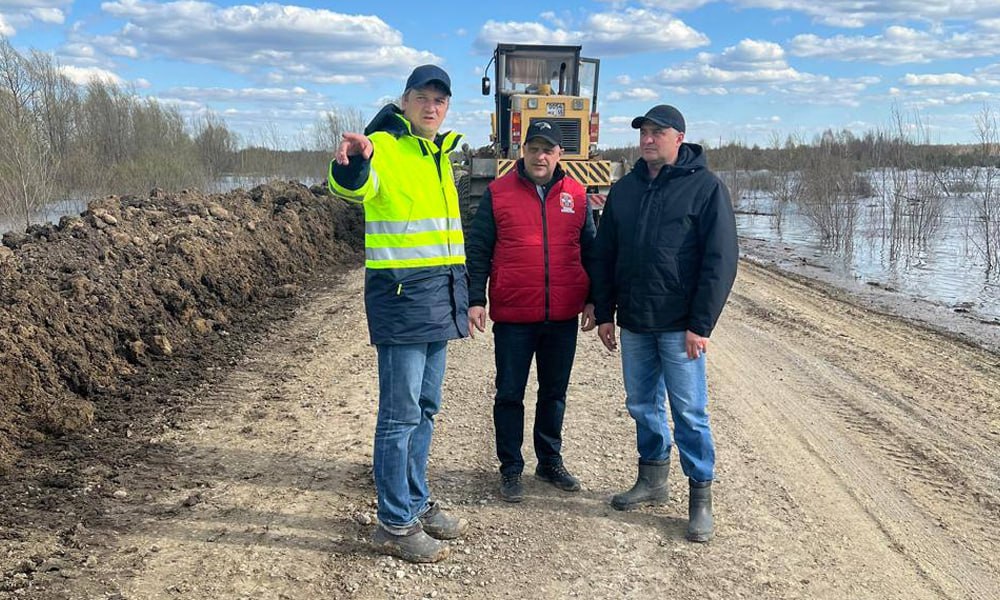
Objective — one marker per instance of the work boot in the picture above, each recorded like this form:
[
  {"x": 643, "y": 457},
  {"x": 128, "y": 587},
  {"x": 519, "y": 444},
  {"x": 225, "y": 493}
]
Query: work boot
[
  {"x": 442, "y": 526},
  {"x": 412, "y": 546},
  {"x": 511, "y": 489},
  {"x": 558, "y": 476},
  {"x": 650, "y": 486},
  {"x": 700, "y": 512}
]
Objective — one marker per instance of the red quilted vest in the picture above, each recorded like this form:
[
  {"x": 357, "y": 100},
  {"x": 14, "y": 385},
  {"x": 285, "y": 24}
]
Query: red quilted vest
[{"x": 537, "y": 274}]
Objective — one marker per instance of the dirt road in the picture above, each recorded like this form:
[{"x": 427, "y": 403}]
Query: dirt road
[{"x": 857, "y": 459}]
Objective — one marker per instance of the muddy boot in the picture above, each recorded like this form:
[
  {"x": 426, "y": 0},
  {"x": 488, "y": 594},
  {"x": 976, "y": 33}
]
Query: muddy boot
[
  {"x": 442, "y": 526},
  {"x": 413, "y": 546},
  {"x": 650, "y": 487},
  {"x": 700, "y": 512}
]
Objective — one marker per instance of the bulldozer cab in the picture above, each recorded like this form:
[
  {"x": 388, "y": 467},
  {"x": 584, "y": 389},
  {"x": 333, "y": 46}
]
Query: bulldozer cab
[
  {"x": 537, "y": 81},
  {"x": 540, "y": 82}
]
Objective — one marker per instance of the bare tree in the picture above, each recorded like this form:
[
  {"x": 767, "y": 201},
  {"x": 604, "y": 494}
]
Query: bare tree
[
  {"x": 786, "y": 180},
  {"x": 58, "y": 100},
  {"x": 216, "y": 145},
  {"x": 27, "y": 163},
  {"x": 334, "y": 123},
  {"x": 987, "y": 178},
  {"x": 732, "y": 169},
  {"x": 829, "y": 199},
  {"x": 913, "y": 194}
]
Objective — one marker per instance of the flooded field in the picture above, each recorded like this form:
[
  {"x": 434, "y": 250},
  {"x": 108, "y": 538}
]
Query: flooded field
[{"x": 945, "y": 269}]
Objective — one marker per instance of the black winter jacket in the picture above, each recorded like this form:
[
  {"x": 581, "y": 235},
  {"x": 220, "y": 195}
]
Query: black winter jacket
[{"x": 666, "y": 249}]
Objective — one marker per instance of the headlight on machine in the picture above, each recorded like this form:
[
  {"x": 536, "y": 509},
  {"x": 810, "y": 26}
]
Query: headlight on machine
[
  {"x": 578, "y": 104},
  {"x": 532, "y": 102}
]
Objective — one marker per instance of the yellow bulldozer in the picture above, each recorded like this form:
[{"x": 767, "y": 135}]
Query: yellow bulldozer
[{"x": 535, "y": 82}]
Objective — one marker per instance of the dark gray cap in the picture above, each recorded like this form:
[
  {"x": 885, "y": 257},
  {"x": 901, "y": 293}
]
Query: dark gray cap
[
  {"x": 663, "y": 115},
  {"x": 425, "y": 74},
  {"x": 545, "y": 129}
]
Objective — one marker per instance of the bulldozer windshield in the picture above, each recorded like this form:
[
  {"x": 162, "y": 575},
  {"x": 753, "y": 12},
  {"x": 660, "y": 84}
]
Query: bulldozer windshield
[{"x": 540, "y": 75}]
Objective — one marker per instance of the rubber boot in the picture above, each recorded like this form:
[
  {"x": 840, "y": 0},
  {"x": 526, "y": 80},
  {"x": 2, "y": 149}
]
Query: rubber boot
[
  {"x": 700, "y": 527},
  {"x": 650, "y": 486}
]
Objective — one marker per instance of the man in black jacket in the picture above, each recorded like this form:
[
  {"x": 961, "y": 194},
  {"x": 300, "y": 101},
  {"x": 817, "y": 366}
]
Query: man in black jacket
[{"x": 667, "y": 254}]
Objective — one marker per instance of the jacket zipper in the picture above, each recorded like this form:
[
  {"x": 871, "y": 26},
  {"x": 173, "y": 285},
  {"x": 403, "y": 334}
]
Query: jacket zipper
[{"x": 545, "y": 245}]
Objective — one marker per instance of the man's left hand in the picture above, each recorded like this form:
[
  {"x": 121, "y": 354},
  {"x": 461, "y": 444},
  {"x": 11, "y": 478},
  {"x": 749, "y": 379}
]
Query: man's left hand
[
  {"x": 695, "y": 344},
  {"x": 589, "y": 321}
]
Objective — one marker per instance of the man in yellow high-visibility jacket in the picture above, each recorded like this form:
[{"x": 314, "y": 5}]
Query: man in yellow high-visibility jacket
[{"x": 416, "y": 298}]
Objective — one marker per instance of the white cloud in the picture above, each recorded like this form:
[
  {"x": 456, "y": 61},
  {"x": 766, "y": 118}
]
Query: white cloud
[
  {"x": 748, "y": 62},
  {"x": 48, "y": 15},
  {"x": 340, "y": 79},
  {"x": 602, "y": 34},
  {"x": 274, "y": 42},
  {"x": 242, "y": 94},
  {"x": 968, "y": 98},
  {"x": 855, "y": 13},
  {"x": 551, "y": 17},
  {"x": 637, "y": 30},
  {"x": 897, "y": 45},
  {"x": 516, "y": 32},
  {"x": 939, "y": 79},
  {"x": 752, "y": 55},
  {"x": 758, "y": 68},
  {"x": 676, "y": 5},
  {"x": 619, "y": 120},
  {"x": 932, "y": 100},
  {"x": 644, "y": 94},
  {"x": 23, "y": 13},
  {"x": 462, "y": 119},
  {"x": 84, "y": 75}
]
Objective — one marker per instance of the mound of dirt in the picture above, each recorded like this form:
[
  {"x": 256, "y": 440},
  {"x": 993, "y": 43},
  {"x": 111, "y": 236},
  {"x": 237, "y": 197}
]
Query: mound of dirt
[{"x": 88, "y": 304}]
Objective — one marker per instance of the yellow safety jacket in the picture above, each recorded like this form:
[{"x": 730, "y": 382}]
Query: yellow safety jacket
[{"x": 415, "y": 280}]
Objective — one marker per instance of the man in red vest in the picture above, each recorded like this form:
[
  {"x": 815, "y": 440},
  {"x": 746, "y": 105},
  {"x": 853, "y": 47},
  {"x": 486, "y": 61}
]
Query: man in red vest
[{"x": 533, "y": 239}]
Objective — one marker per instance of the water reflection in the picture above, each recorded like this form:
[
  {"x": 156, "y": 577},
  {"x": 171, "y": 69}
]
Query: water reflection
[
  {"x": 944, "y": 268},
  {"x": 48, "y": 214}
]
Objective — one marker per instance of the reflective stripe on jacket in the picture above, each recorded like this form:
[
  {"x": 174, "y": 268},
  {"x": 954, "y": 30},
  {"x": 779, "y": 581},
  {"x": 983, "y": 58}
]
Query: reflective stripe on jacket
[{"x": 415, "y": 280}]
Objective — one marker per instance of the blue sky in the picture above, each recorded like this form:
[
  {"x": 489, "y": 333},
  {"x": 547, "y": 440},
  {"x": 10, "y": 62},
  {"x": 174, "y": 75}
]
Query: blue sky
[{"x": 739, "y": 69}]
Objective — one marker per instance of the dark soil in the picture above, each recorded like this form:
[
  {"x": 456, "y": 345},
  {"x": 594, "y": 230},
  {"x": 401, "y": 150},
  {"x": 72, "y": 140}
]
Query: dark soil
[{"x": 105, "y": 317}]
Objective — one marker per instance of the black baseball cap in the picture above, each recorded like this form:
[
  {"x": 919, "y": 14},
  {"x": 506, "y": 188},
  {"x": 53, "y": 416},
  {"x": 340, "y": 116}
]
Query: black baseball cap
[
  {"x": 545, "y": 129},
  {"x": 663, "y": 115},
  {"x": 425, "y": 74}
]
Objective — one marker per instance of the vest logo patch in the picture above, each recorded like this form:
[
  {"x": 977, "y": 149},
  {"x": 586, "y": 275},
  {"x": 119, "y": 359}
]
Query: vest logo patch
[{"x": 566, "y": 202}]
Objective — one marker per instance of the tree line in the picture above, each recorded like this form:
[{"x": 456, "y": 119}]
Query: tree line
[{"x": 65, "y": 141}]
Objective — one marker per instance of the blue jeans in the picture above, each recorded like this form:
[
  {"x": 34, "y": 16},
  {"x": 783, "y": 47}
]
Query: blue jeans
[
  {"x": 655, "y": 367},
  {"x": 552, "y": 344},
  {"x": 409, "y": 395}
]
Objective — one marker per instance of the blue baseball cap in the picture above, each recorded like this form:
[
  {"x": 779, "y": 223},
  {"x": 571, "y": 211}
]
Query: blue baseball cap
[{"x": 425, "y": 74}]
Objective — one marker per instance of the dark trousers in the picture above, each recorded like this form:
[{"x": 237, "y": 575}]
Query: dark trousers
[{"x": 552, "y": 344}]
